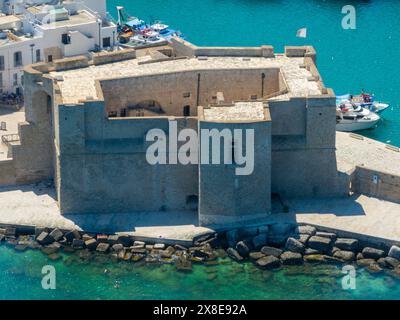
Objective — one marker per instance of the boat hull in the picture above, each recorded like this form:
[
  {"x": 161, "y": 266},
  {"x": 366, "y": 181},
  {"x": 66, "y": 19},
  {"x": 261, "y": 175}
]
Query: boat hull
[
  {"x": 143, "y": 46},
  {"x": 356, "y": 125}
]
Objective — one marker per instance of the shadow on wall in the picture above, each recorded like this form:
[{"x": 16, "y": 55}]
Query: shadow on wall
[
  {"x": 127, "y": 222},
  {"x": 346, "y": 206},
  {"x": 39, "y": 189}
]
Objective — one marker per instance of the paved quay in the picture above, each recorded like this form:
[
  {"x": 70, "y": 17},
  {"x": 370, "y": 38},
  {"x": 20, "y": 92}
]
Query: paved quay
[
  {"x": 368, "y": 218},
  {"x": 355, "y": 150},
  {"x": 35, "y": 205},
  {"x": 11, "y": 118}
]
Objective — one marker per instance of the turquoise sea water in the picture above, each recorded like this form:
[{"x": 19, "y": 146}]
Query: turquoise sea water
[
  {"x": 349, "y": 60},
  {"x": 21, "y": 277}
]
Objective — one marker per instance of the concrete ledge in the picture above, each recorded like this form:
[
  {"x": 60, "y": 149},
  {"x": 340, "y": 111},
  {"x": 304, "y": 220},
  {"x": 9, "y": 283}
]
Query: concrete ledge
[
  {"x": 185, "y": 48},
  {"x": 113, "y": 56},
  {"x": 71, "y": 63}
]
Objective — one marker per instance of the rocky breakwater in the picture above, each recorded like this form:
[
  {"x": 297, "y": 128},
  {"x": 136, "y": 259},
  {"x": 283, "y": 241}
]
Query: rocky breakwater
[
  {"x": 277, "y": 245},
  {"x": 84, "y": 247},
  {"x": 268, "y": 247}
]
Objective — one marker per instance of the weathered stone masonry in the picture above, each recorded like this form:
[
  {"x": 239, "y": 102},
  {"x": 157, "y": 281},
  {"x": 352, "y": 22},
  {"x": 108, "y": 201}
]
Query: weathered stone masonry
[{"x": 87, "y": 122}]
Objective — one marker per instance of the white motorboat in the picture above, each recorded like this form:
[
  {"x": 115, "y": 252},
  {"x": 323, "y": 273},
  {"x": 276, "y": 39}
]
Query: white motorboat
[
  {"x": 144, "y": 41},
  {"x": 159, "y": 27},
  {"x": 364, "y": 100},
  {"x": 351, "y": 118}
]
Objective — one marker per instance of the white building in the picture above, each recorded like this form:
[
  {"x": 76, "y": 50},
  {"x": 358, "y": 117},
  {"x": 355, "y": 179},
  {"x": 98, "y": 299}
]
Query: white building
[{"x": 40, "y": 30}]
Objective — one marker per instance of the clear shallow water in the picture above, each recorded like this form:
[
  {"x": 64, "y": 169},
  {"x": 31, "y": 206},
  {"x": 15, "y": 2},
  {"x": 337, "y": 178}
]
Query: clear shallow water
[
  {"x": 20, "y": 278},
  {"x": 349, "y": 60}
]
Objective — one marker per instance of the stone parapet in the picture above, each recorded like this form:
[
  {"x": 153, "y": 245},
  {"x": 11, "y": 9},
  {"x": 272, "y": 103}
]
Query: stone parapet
[{"x": 113, "y": 56}]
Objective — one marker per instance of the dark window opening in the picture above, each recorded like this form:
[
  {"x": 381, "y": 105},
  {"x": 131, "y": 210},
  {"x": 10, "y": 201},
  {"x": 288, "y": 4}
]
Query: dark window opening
[
  {"x": 65, "y": 38},
  {"x": 192, "y": 201},
  {"x": 123, "y": 112},
  {"x": 38, "y": 57},
  {"x": 49, "y": 104},
  {"x": 253, "y": 97},
  {"x": 112, "y": 114},
  {"x": 106, "y": 42},
  {"x": 2, "y": 68},
  {"x": 186, "y": 95},
  {"x": 186, "y": 111},
  {"x": 18, "y": 59},
  {"x": 233, "y": 152},
  {"x": 50, "y": 58}
]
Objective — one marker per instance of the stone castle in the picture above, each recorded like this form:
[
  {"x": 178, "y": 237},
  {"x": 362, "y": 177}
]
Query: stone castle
[{"x": 87, "y": 119}]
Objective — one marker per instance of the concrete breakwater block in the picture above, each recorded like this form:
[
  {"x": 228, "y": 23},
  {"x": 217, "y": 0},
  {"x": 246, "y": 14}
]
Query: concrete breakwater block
[
  {"x": 297, "y": 249},
  {"x": 372, "y": 253},
  {"x": 295, "y": 245},
  {"x": 56, "y": 234},
  {"x": 347, "y": 244},
  {"x": 321, "y": 244},
  {"x": 394, "y": 252},
  {"x": 44, "y": 238}
]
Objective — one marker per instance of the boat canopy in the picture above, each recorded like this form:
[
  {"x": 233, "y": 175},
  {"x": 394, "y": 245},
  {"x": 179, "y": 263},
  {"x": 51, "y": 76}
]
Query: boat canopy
[
  {"x": 134, "y": 23},
  {"x": 343, "y": 97}
]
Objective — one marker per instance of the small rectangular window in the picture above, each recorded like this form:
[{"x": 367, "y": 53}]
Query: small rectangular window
[
  {"x": 18, "y": 59},
  {"x": 106, "y": 42},
  {"x": 186, "y": 95},
  {"x": 65, "y": 38},
  {"x": 38, "y": 57},
  {"x": 50, "y": 58},
  {"x": 15, "y": 77},
  {"x": 186, "y": 111},
  {"x": 2, "y": 68},
  {"x": 253, "y": 97},
  {"x": 1, "y": 80}
]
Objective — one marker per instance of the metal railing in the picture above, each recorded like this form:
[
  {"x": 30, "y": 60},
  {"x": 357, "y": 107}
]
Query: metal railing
[{"x": 7, "y": 139}]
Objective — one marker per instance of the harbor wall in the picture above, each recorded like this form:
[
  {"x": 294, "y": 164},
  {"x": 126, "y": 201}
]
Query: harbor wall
[
  {"x": 173, "y": 91},
  {"x": 376, "y": 183}
]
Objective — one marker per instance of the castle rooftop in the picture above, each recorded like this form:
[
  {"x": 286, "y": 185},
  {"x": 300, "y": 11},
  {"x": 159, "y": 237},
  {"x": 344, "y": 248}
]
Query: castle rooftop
[
  {"x": 79, "y": 84},
  {"x": 239, "y": 111}
]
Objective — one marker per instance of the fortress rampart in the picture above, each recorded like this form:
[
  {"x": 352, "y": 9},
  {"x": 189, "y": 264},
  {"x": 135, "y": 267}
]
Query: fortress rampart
[{"x": 87, "y": 120}]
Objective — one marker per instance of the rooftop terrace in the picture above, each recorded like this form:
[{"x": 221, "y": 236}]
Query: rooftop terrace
[
  {"x": 240, "y": 111},
  {"x": 78, "y": 84}
]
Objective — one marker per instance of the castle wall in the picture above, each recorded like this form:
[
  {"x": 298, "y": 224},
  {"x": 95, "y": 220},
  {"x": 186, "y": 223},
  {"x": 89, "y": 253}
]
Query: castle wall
[
  {"x": 32, "y": 155},
  {"x": 173, "y": 91},
  {"x": 303, "y": 150},
  {"x": 229, "y": 198},
  {"x": 376, "y": 183},
  {"x": 7, "y": 172},
  {"x": 104, "y": 167}
]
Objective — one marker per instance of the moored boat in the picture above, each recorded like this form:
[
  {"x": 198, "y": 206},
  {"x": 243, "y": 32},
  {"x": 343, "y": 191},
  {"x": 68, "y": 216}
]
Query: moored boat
[
  {"x": 364, "y": 100},
  {"x": 135, "y": 33},
  {"x": 351, "y": 118}
]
